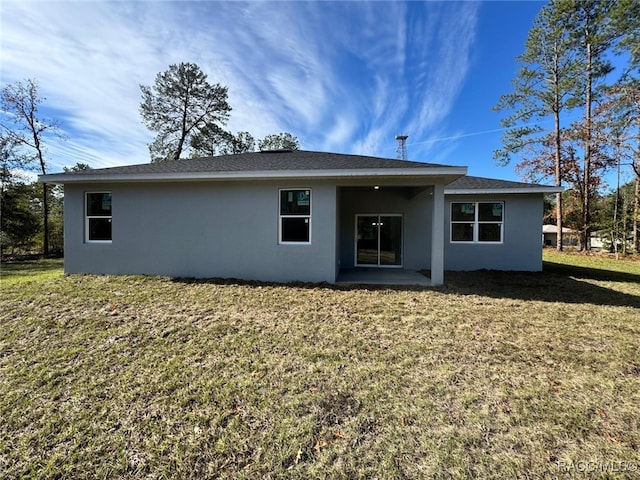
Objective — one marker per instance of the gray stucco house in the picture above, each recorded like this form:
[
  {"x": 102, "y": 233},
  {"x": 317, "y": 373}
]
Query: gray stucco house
[{"x": 296, "y": 216}]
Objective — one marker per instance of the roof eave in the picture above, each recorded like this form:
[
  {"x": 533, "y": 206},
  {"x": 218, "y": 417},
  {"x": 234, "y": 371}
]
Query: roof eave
[
  {"x": 454, "y": 172},
  {"x": 495, "y": 191}
]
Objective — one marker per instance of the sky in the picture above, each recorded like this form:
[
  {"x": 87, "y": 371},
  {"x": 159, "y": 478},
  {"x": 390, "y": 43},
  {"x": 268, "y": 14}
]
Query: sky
[{"x": 341, "y": 76}]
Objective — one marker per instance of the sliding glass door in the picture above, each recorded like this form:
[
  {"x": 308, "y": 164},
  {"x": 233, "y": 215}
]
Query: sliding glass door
[{"x": 379, "y": 240}]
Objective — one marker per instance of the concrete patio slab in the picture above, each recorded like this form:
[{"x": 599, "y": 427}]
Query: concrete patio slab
[{"x": 382, "y": 276}]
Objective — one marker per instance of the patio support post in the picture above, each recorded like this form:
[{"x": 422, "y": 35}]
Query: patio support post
[{"x": 437, "y": 236}]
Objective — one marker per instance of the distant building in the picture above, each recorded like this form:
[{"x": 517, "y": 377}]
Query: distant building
[{"x": 570, "y": 237}]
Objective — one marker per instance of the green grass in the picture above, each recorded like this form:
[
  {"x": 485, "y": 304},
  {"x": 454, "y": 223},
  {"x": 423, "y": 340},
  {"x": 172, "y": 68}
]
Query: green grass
[
  {"x": 494, "y": 375},
  {"x": 30, "y": 270},
  {"x": 595, "y": 261}
]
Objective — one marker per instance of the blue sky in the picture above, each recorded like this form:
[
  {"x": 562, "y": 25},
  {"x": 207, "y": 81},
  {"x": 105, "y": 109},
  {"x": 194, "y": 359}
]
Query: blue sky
[{"x": 341, "y": 76}]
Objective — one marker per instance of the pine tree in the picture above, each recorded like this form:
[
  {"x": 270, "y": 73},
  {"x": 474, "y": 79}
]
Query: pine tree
[
  {"x": 544, "y": 88},
  {"x": 181, "y": 104}
]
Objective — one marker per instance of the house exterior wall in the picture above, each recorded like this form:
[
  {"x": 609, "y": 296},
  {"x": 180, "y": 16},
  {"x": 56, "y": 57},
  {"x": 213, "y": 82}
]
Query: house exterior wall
[
  {"x": 520, "y": 249},
  {"x": 569, "y": 239},
  {"x": 416, "y": 214},
  {"x": 230, "y": 229},
  {"x": 550, "y": 239},
  {"x": 203, "y": 229}
]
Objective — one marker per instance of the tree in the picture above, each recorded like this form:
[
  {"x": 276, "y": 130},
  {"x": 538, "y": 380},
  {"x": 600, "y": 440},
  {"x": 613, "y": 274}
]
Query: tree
[
  {"x": 613, "y": 215},
  {"x": 212, "y": 141},
  {"x": 545, "y": 87},
  {"x": 626, "y": 18},
  {"x": 26, "y": 130},
  {"x": 7, "y": 159},
  {"x": 216, "y": 141},
  {"x": 565, "y": 64},
  {"x": 78, "y": 167},
  {"x": 539, "y": 163},
  {"x": 19, "y": 218},
  {"x": 240, "y": 143},
  {"x": 180, "y": 105},
  {"x": 618, "y": 120},
  {"x": 280, "y": 141},
  {"x": 594, "y": 33}
]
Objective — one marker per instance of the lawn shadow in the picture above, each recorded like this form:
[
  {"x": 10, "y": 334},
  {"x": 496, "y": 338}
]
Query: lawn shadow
[
  {"x": 590, "y": 273},
  {"x": 556, "y": 283}
]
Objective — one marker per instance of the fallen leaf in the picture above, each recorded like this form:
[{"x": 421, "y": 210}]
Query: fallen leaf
[
  {"x": 319, "y": 446},
  {"x": 611, "y": 438}
]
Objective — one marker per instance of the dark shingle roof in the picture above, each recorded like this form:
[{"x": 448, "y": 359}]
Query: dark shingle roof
[
  {"x": 260, "y": 162},
  {"x": 470, "y": 183},
  {"x": 291, "y": 164}
]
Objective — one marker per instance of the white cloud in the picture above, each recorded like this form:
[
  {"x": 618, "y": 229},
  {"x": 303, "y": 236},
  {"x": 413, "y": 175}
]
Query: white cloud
[
  {"x": 444, "y": 64},
  {"x": 85, "y": 60},
  {"x": 340, "y": 132},
  {"x": 343, "y": 76}
]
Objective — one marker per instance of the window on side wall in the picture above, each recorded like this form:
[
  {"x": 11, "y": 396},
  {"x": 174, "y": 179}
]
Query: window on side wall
[
  {"x": 98, "y": 217},
  {"x": 477, "y": 222},
  {"x": 295, "y": 216}
]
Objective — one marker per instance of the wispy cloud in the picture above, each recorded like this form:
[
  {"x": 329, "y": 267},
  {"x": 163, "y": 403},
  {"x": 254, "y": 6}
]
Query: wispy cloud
[
  {"x": 341, "y": 76},
  {"x": 441, "y": 63},
  {"x": 88, "y": 65}
]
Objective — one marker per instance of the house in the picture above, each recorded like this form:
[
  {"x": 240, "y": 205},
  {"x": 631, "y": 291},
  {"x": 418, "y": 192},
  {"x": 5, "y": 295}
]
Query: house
[
  {"x": 570, "y": 237},
  {"x": 296, "y": 216}
]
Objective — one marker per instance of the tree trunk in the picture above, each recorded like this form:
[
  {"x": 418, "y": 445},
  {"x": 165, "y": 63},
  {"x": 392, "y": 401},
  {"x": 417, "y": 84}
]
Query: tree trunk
[
  {"x": 45, "y": 219},
  {"x": 558, "y": 175},
  {"x": 624, "y": 234},
  {"x": 45, "y": 196},
  {"x": 178, "y": 152},
  {"x": 636, "y": 217},
  {"x": 183, "y": 133},
  {"x": 586, "y": 199},
  {"x": 559, "y": 234}
]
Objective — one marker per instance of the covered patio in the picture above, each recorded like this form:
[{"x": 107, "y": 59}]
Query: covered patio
[{"x": 390, "y": 229}]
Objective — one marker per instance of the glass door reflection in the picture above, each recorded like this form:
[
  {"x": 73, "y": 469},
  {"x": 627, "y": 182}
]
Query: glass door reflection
[{"x": 379, "y": 240}]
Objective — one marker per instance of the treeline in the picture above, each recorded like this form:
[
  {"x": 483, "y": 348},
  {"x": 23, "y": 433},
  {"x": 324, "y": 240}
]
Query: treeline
[
  {"x": 21, "y": 224},
  {"x": 613, "y": 219}
]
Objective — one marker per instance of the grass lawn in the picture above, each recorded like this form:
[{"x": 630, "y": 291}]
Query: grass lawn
[{"x": 494, "y": 375}]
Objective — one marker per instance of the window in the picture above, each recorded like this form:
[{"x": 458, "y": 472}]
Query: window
[
  {"x": 477, "y": 222},
  {"x": 98, "y": 217},
  {"x": 295, "y": 216}
]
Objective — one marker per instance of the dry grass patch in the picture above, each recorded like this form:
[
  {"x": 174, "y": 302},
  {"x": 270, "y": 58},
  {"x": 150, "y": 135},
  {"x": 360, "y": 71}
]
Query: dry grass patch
[{"x": 493, "y": 376}]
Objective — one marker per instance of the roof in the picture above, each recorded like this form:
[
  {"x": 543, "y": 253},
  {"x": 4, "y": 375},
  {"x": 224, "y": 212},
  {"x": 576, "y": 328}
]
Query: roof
[
  {"x": 254, "y": 165},
  {"x": 481, "y": 185},
  {"x": 276, "y": 164}
]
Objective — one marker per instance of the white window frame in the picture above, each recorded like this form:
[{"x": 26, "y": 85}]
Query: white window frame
[
  {"x": 476, "y": 223},
  {"x": 281, "y": 216},
  {"x": 87, "y": 217}
]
